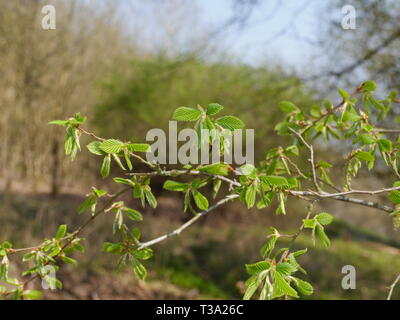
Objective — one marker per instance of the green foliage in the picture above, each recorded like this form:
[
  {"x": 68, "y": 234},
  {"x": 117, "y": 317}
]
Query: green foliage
[{"x": 279, "y": 176}]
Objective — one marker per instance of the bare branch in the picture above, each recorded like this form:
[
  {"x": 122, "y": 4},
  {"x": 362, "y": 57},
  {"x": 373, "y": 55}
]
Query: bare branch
[
  {"x": 392, "y": 287},
  {"x": 188, "y": 223}
]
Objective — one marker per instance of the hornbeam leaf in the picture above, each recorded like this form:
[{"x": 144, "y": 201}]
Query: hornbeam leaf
[
  {"x": 230, "y": 122},
  {"x": 186, "y": 114},
  {"x": 105, "y": 167},
  {"x": 111, "y": 146},
  {"x": 213, "y": 108}
]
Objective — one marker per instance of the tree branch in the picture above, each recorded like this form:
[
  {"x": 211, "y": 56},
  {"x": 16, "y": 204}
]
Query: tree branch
[{"x": 188, "y": 223}]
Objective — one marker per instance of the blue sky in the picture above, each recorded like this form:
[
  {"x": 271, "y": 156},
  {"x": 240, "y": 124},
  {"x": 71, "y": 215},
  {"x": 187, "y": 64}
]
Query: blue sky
[{"x": 278, "y": 31}]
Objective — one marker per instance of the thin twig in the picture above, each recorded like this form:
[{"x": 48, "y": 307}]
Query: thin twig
[
  {"x": 188, "y": 223},
  {"x": 312, "y": 162},
  {"x": 392, "y": 287}
]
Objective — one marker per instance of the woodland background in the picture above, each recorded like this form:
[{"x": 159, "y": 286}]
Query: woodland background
[{"x": 127, "y": 65}]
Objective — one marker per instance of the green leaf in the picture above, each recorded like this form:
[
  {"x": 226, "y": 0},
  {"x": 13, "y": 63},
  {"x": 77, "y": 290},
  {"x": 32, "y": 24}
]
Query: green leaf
[
  {"x": 186, "y": 114},
  {"x": 32, "y": 294},
  {"x": 143, "y": 254},
  {"x": 200, "y": 200},
  {"x": 28, "y": 256},
  {"x": 283, "y": 286},
  {"x": 215, "y": 168},
  {"x": 111, "y": 146},
  {"x": 251, "y": 285},
  {"x": 60, "y": 122},
  {"x": 150, "y": 198},
  {"x": 345, "y": 95},
  {"x": 324, "y": 218},
  {"x": 133, "y": 214},
  {"x": 112, "y": 247},
  {"x": 322, "y": 236},
  {"x": 309, "y": 223},
  {"x": 69, "y": 260},
  {"x": 216, "y": 186},
  {"x": 247, "y": 169},
  {"x": 139, "y": 269},
  {"x": 99, "y": 192},
  {"x": 288, "y": 107},
  {"x": 366, "y": 156},
  {"x": 385, "y": 145},
  {"x": 230, "y": 122},
  {"x": 62, "y": 229},
  {"x": 213, "y": 108},
  {"x": 275, "y": 181},
  {"x": 105, "y": 167},
  {"x": 250, "y": 196},
  {"x": 257, "y": 267},
  {"x": 175, "y": 186},
  {"x": 394, "y": 196},
  {"x": 268, "y": 247},
  {"x": 323, "y": 164},
  {"x": 89, "y": 201},
  {"x": 118, "y": 161},
  {"x": 139, "y": 147},
  {"x": 128, "y": 160},
  {"x": 124, "y": 181},
  {"x": 285, "y": 268},
  {"x": 303, "y": 287},
  {"x": 368, "y": 86},
  {"x": 94, "y": 147}
]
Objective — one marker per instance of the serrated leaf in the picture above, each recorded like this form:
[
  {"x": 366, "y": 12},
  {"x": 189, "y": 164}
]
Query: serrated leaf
[
  {"x": 303, "y": 287},
  {"x": 285, "y": 268},
  {"x": 268, "y": 247},
  {"x": 186, "y": 114},
  {"x": 111, "y": 146},
  {"x": 230, "y": 122},
  {"x": 213, "y": 108},
  {"x": 283, "y": 286},
  {"x": 256, "y": 268},
  {"x": 251, "y": 285}
]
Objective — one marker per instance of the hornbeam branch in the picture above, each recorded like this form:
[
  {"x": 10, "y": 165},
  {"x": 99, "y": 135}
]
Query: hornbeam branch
[{"x": 188, "y": 223}]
